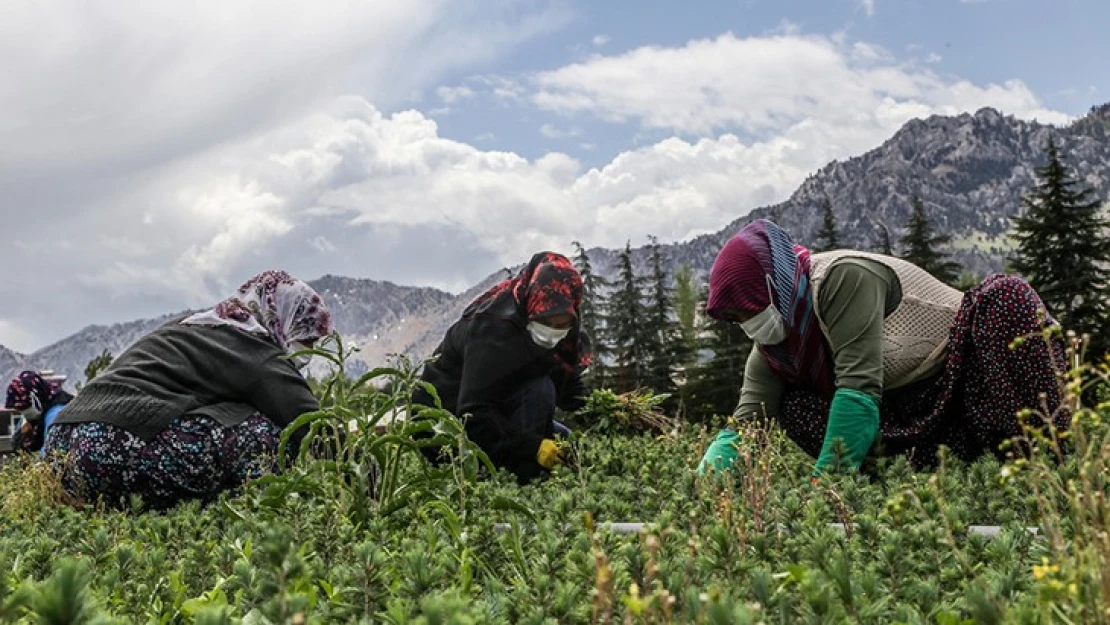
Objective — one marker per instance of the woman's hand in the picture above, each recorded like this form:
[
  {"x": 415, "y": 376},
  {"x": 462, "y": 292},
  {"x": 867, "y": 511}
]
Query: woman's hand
[
  {"x": 853, "y": 420},
  {"x": 550, "y": 454},
  {"x": 721, "y": 453}
]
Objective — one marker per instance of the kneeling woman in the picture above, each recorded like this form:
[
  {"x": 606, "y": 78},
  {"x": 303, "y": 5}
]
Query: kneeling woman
[
  {"x": 196, "y": 407},
  {"x": 517, "y": 352},
  {"x": 857, "y": 346},
  {"x": 39, "y": 401}
]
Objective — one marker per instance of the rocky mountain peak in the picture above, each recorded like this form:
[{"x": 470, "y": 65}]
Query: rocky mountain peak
[{"x": 970, "y": 171}]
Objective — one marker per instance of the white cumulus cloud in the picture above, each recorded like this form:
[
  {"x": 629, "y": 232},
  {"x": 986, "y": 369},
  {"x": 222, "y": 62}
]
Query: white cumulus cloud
[
  {"x": 766, "y": 86},
  {"x": 194, "y": 197}
]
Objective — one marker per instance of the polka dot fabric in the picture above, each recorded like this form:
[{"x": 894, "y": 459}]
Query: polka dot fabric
[
  {"x": 194, "y": 458},
  {"x": 972, "y": 406}
]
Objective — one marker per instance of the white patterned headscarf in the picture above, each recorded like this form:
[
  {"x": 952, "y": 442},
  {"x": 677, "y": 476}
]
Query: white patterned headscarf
[{"x": 275, "y": 305}]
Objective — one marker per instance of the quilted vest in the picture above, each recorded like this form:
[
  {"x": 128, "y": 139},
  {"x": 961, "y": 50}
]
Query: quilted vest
[{"x": 915, "y": 335}]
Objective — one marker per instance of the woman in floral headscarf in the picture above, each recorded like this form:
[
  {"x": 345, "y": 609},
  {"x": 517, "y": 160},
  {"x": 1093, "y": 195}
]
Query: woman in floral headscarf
[
  {"x": 516, "y": 354},
  {"x": 39, "y": 401},
  {"x": 858, "y": 347},
  {"x": 196, "y": 407}
]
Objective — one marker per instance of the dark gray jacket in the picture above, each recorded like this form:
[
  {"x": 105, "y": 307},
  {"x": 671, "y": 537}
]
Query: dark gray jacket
[{"x": 178, "y": 370}]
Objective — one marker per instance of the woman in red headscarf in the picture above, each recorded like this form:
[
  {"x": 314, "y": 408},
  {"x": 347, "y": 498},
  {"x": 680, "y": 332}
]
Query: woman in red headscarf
[
  {"x": 858, "y": 347},
  {"x": 517, "y": 353}
]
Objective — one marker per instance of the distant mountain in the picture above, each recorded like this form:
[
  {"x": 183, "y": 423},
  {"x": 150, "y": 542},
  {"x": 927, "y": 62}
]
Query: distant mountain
[
  {"x": 70, "y": 355},
  {"x": 372, "y": 313},
  {"x": 10, "y": 361},
  {"x": 970, "y": 170}
]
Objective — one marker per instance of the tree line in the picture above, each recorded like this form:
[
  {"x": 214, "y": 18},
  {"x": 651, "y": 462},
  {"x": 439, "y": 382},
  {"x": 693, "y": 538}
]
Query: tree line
[{"x": 649, "y": 330}]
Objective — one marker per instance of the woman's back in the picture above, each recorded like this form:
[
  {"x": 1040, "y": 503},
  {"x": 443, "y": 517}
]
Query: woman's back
[{"x": 179, "y": 368}]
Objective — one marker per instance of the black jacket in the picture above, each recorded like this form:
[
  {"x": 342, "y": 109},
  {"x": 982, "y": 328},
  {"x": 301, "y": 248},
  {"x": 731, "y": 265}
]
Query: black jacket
[{"x": 479, "y": 363}]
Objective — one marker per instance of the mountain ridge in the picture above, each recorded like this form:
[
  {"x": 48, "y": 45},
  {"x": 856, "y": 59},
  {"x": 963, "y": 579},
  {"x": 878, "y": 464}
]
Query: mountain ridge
[{"x": 970, "y": 170}]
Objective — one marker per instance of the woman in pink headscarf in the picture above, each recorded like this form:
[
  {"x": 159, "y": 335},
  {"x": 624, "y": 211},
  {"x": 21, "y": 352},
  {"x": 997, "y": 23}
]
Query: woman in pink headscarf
[
  {"x": 196, "y": 407},
  {"x": 857, "y": 347}
]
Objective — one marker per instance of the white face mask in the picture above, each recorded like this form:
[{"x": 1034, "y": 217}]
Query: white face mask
[
  {"x": 301, "y": 361},
  {"x": 768, "y": 327},
  {"x": 546, "y": 336}
]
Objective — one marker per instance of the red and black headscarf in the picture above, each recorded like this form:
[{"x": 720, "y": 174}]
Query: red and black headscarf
[
  {"x": 548, "y": 285},
  {"x": 29, "y": 389},
  {"x": 738, "y": 282}
]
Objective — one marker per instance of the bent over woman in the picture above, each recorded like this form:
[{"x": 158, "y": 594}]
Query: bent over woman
[
  {"x": 516, "y": 354},
  {"x": 196, "y": 407},
  {"x": 39, "y": 401},
  {"x": 857, "y": 346}
]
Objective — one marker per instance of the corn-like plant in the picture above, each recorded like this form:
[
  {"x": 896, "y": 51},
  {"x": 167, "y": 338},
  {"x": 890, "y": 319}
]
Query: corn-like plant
[{"x": 365, "y": 445}]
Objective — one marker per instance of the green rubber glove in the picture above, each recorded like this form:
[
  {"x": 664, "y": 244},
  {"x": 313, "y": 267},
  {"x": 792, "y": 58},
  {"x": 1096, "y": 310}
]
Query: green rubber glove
[
  {"x": 721, "y": 453},
  {"x": 854, "y": 418}
]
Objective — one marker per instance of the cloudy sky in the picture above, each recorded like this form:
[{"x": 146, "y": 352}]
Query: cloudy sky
[{"x": 154, "y": 154}]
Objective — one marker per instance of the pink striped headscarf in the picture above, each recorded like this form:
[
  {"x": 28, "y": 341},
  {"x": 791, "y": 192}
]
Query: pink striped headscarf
[{"x": 738, "y": 283}]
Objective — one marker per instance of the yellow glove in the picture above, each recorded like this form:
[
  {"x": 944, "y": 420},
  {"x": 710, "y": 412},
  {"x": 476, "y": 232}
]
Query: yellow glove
[{"x": 549, "y": 454}]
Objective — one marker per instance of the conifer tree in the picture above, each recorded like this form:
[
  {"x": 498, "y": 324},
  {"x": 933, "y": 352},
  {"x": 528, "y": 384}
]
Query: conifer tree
[
  {"x": 827, "y": 238},
  {"x": 659, "y": 330},
  {"x": 593, "y": 313},
  {"x": 686, "y": 310},
  {"x": 920, "y": 245},
  {"x": 713, "y": 386},
  {"x": 774, "y": 214},
  {"x": 625, "y": 319},
  {"x": 95, "y": 367},
  {"x": 1063, "y": 249},
  {"x": 685, "y": 305},
  {"x": 884, "y": 241}
]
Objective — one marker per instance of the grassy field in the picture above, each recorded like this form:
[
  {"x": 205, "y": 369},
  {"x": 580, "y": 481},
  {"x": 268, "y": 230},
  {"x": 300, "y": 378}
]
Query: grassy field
[{"x": 389, "y": 539}]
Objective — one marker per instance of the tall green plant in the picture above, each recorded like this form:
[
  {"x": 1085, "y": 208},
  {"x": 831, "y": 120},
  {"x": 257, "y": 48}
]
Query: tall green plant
[{"x": 364, "y": 446}]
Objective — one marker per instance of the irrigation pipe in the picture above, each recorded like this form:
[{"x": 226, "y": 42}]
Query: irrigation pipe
[{"x": 989, "y": 531}]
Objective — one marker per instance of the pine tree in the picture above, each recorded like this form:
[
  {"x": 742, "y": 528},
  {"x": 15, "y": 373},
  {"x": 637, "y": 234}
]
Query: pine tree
[
  {"x": 685, "y": 310},
  {"x": 95, "y": 367},
  {"x": 713, "y": 384},
  {"x": 884, "y": 241},
  {"x": 920, "y": 245},
  {"x": 1063, "y": 249},
  {"x": 659, "y": 330},
  {"x": 626, "y": 318},
  {"x": 685, "y": 305},
  {"x": 593, "y": 314},
  {"x": 774, "y": 214},
  {"x": 827, "y": 238}
]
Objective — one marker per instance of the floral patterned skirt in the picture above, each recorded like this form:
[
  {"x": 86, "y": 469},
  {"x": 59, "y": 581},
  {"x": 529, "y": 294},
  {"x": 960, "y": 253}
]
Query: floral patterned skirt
[
  {"x": 972, "y": 405},
  {"x": 194, "y": 458}
]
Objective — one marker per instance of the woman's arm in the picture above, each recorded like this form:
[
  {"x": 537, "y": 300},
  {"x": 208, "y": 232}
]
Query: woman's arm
[
  {"x": 761, "y": 394},
  {"x": 574, "y": 393},
  {"x": 759, "y": 399},
  {"x": 854, "y": 302}
]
